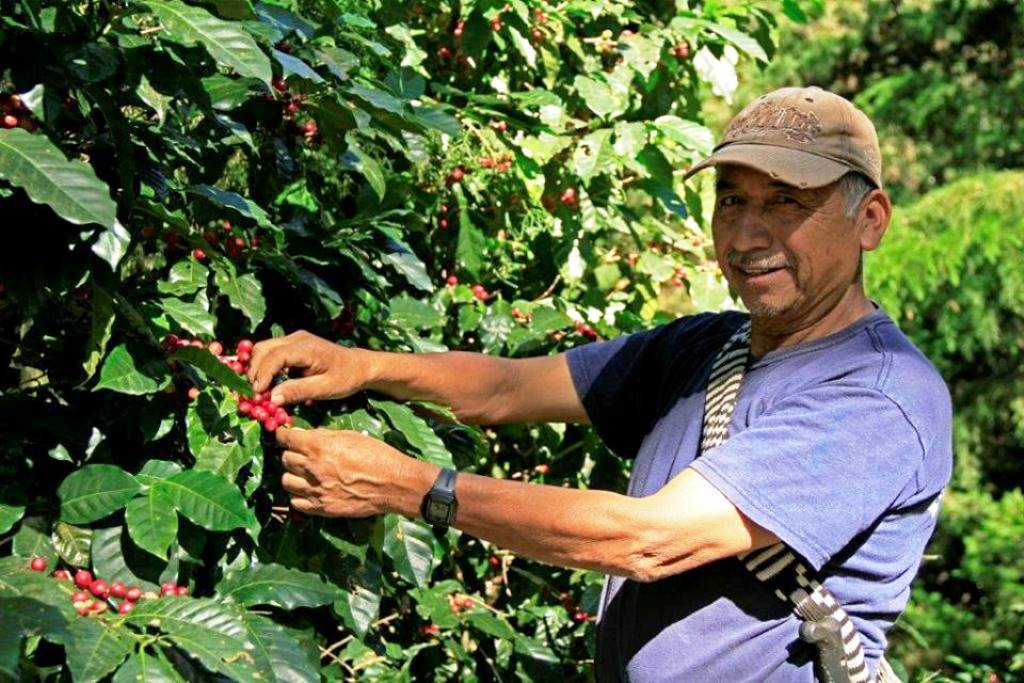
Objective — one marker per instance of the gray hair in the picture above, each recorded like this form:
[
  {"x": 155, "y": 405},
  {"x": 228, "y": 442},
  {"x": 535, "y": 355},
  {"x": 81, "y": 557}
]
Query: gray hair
[{"x": 854, "y": 186}]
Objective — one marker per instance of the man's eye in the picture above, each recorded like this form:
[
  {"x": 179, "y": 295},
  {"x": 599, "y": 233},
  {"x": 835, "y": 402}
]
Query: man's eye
[
  {"x": 784, "y": 199},
  {"x": 728, "y": 200}
]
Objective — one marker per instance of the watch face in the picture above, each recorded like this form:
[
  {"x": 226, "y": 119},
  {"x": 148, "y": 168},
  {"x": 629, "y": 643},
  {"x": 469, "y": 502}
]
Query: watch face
[{"x": 438, "y": 510}]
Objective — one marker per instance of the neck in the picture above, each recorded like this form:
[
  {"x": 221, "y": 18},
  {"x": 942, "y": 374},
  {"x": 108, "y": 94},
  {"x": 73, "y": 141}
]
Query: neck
[{"x": 767, "y": 334}]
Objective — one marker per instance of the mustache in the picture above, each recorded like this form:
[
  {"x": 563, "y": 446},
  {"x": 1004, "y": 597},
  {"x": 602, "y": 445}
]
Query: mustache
[{"x": 756, "y": 261}]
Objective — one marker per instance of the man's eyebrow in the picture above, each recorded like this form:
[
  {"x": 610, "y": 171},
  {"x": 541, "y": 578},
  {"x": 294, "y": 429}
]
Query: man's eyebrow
[{"x": 775, "y": 185}]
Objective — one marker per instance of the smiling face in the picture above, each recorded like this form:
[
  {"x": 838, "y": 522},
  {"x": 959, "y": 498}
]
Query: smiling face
[{"x": 791, "y": 254}]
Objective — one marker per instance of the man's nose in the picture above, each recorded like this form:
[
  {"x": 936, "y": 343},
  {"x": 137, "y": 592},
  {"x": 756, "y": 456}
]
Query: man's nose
[{"x": 750, "y": 231}]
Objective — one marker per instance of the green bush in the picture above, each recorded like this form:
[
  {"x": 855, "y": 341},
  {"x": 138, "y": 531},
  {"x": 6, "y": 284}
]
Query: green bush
[
  {"x": 383, "y": 175},
  {"x": 949, "y": 270}
]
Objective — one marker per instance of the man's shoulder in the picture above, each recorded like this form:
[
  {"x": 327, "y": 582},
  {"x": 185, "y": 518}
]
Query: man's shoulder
[{"x": 709, "y": 330}]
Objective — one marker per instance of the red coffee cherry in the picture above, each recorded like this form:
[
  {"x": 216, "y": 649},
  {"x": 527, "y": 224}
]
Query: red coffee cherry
[
  {"x": 99, "y": 588},
  {"x": 133, "y": 594},
  {"x": 83, "y": 578},
  {"x": 38, "y": 564},
  {"x": 125, "y": 607}
]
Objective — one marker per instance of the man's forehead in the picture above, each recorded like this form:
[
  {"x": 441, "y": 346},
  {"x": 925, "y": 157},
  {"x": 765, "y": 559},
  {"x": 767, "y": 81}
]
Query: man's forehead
[{"x": 734, "y": 177}]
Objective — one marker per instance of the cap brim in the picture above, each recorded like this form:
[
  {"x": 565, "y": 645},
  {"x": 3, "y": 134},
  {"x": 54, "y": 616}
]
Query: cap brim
[{"x": 791, "y": 166}]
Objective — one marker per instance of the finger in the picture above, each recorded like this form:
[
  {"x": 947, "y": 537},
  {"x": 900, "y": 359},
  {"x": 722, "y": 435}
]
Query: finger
[
  {"x": 270, "y": 349},
  {"x": 296, "y": 439},
  {"x": 299, "y": 390},
  {"x": 297, "y": 486},
  {"x": 260, "y": 349},
  {"x": 298, "y": 464},
  {"x": 271, "y": 363},
  {"x": 305, "y": 505}
]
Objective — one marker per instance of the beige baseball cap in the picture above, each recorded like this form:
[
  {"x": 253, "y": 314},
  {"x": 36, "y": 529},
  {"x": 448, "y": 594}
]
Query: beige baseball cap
[{"x": 807, "y": 137}]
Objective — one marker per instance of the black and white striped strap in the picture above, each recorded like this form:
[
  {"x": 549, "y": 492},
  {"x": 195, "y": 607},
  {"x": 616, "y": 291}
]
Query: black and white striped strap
[{"x": 778, "y": 567}]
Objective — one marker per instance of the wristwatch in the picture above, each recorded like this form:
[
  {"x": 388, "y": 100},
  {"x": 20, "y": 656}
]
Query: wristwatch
[{"x": 439, "y": 505}]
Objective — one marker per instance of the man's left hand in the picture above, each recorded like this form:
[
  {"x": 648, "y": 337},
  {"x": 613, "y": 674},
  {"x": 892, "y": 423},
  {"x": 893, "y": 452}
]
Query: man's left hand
[{"x": 334, "y": 473}]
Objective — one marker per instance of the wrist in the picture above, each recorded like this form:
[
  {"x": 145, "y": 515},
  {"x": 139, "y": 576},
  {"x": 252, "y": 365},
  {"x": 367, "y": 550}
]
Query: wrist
[{"x": 413, "y": 482}]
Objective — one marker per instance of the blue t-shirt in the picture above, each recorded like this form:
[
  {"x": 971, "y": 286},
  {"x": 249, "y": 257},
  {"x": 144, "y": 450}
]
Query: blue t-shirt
[{"x": 841, "y": 446}]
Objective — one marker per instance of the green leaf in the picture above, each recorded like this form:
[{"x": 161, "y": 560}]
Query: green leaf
[
  {"x": 641, "y": 53},
  {"x": 358, "y": 160},
  {"x": 154, "y": 471},
  {"x": 229, "y": 93},
  {"x": 411, "y": 268},
  {"x": 687, "y": 133},
  {"x": 739, "y": 39},
  {"x": 410, "y": 545},
  {"x": 235, "y": 202},
  {"x": 33, "y": 539},
  {"x": 72, "y": 543},
  {"x": 413, "y": 313},
  {"x": 70, "y": 188},
  {"x": 190, "y": 315},
  {"x": 490, "y": 624},
  {"x": 209, "y": 500},
  {"x": 471, "y": 245},
  {"x": 211, "y": 631},
  {"x": 143, "y": 667},
  {"x": 293, "y": 66},
  {"x": 95, "y": 491},
  {"x": 602, "y": 98},
  {"x": 97, "y": 649},
  {"x": 225, "y": 459},
  {"x": 245, "y": 293},
  {"x": 272, "y": 584},
  {"x": 279, "y": 656},
  {"x": 593, "y": 155},
  {"x": 17, "y": 580},
  {"x": 112, "y": 244},
  {"x": 115, "y": 557},
  {"x": 152, "y": 522},
  {"x": 100, "y": 329},
  {"x": 215, "y": 370},
  {"x": 226, "y": 41},
  {"x": 544, "y": 147},
  {"x": 358, "y": 608},
  {"x": 709, "y": 292},
  {"x": 233, "y": 9},
  {"x": 121, "y": 373},
  {"x": 416, "y": 431},
  {"x": 187, "y": 276},
  {"x": 21, "y": 618},
  {"x": 9, "y": 516},
  {"x": 792, "y": 9}
]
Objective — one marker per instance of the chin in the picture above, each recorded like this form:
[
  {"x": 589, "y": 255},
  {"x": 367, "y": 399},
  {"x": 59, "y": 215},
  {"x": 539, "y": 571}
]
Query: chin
[{"x": 766, "y": 308}]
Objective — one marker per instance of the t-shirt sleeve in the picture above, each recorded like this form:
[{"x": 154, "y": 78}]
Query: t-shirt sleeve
[
  {"x": 819, "y": 467},
  {"x": 622, "y": 382}
]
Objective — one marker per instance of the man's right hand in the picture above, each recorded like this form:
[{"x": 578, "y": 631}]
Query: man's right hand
[{"x": 330, "y": 370}]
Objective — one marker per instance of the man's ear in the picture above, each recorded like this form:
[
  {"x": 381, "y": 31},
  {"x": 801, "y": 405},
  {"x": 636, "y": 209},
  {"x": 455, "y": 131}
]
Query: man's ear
[{"x": 873, "y": 219}]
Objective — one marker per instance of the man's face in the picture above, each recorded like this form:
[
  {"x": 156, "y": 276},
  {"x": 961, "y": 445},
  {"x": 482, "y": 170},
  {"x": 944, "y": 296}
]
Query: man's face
[{"x": 790, "y": 253}]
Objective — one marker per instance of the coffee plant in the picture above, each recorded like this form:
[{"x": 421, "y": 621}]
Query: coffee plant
[{"x": 180, "y": 179}]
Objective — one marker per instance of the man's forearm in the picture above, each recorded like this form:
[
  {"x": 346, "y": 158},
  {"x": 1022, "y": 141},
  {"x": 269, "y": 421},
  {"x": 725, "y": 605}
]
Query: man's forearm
[
  {"x": 472, "y": 384},
  {"x": 587, "y": 529}
]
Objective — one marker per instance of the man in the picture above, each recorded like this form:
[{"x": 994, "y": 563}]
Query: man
[{"x": 839, "y": 445}]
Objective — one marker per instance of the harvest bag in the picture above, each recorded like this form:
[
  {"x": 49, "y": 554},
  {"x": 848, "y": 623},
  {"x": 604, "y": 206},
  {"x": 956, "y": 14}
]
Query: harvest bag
[{"x": 823, "y": 620}]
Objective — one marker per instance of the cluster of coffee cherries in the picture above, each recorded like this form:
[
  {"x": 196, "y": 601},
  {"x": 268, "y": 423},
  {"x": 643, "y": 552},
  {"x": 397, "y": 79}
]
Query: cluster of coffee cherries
[
  {"x": 97, "y": 596},
  {"x": 291, "y": 105},
  {"x": 239, "y": 362},
  {"x": 14, "y": 113},
  {"x": 258, "y": 407},
  {"x": 265, "y": 411}
]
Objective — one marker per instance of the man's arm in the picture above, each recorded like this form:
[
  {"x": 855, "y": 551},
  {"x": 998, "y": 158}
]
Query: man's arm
[
  {"x": 686, "y": 524},
  {"x": 480, "y": 389}
]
